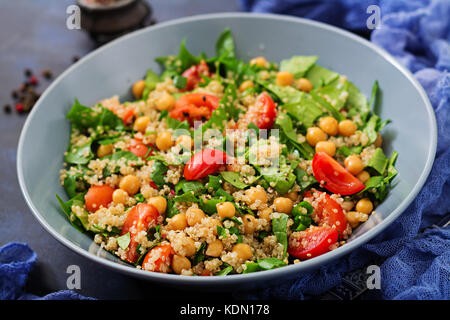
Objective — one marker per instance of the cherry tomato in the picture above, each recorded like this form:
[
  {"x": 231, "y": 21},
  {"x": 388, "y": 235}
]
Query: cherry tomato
[
  {"x": 262, "y": 114},
  {"x": 140, "y": 218},
  {"x": 312, "y": 242},
  {"x": 329, "y": 211},
  {"x": 124, "y": 113},
  {"x": 203, "y": 163},
  {"x": 98, "y": 196},
  {"x": 159, "y": 259},
  {"x": 193, "y": 75},
  {"x": 333, "y": 177},
  {"x": 194, "y": 107},
  {"x": 138, "y": 148}
]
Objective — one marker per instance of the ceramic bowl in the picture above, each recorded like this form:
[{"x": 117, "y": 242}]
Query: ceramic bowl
[{"x": 114, "y": 67}]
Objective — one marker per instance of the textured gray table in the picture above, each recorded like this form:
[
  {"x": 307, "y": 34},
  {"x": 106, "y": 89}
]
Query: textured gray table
[{"x": 33, "y": 35}]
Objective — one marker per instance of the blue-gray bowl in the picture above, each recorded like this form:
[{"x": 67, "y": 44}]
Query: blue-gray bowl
[{"x": 112, "y": 69}]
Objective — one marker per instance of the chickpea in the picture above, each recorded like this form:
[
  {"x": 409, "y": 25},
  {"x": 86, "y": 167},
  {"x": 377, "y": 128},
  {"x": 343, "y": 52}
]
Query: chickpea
[
  {"x": 140, "y": 124},
  {"x": 363, "y": 176},
  {"x": 130, "y": 184},
  {"x": 347, "y": 128},
  {"x": 165, "y": 102},
  {"x": 214, "y": 249},
  {"x": 185, "y": 141},
  {"x": 265, "y": 213},
  {"x": 104, "y": 150},
  {"x": 347, "y": 205},
  {"x": 194, "y": 216},
  {"x": 354, "y": 164},
  {"x": 364, "y": 206},
  {"x": 189, "y": 247},
  {"x": 304, "y": 84},
  {"x": 329, "y": 125},
  {"x": 243, "y": 251},
  {"x": 160, "y": 203},
  {"x": 255, "y": 194},
  {"x": 284, "y": 78},
  {"x": 283, "y": 205},
  {"x": 226, "y": 209},
  {"x": 164, "y": 141},
  {"x": 246, "y": 85},
  {"x": 138, "y": 89},
  {"x": 327, "y": 147},
  {"x": 259, "y": 61},
  {"x": 180, "y": 263},
  {"x": 249, "y": 223},
  {"x": 293, "y": 195},
  {"x": 355, "y": 218},
  {"x": 119, "y": 196},
  {"x": 314, "y": 135},
  {"x": 379, "y": 141},
  {"x": 178, "y": 222}
]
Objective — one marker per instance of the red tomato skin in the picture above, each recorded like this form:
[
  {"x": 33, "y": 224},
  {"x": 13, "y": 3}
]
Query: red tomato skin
[
  {"x": 193, "y": 75},
  {"x": 204, "y": 163},
  {"x": 262, "y": 113},
  {"x": 142, "y": 216},
  {"x": 336, "y": 178},
  {"x": 329, "y": 211},
  {"x": 138, "y": 148},
  {"x": 161, "y": 264},
  {"x": 194, "y": 107},
  {"x": 319, "y": 240},
  {"x": 98, "y": 196}
]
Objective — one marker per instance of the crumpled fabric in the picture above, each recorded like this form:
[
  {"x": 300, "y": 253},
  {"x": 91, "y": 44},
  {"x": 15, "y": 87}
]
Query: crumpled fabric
[
  {"x": 16, "y": 262},
  {"x": 416, "y": 265}
]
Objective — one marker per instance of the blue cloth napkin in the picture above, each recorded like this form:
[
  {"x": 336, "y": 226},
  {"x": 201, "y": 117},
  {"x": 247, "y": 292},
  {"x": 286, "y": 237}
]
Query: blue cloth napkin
[
  {"x": 416, "y": 265},
  {"x": 16, "y": 262}
]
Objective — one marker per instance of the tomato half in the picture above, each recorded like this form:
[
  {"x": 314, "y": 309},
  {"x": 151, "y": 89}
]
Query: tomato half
[
  {"x": 194, "y": 107},
  {"x": 159, "y": 259},
  {"x": 98, "y": 196},
  {"x": 138, "y": 148},
  {"x": 140, "y": 218},
  {"x": 204, "y": 163},
  {"x": 311, "y": 242},
  {"x": 124, "y": 113},
  {"x": 262, "y": 113},
  {"x": 333, "y": 177},
  {"x": 193, "y": 75},
  {"x": 329, "y": 211}
]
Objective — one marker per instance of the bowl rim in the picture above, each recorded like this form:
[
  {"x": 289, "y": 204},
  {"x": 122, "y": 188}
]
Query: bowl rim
[{"x": 283, "y": 272}]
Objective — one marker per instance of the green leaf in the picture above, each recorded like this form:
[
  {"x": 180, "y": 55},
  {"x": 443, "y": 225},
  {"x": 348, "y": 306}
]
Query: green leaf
[
  {"x": 284, "y": 122},
  {"x": 270, "y": 263},
  {"x": 189, "y": 186},
  {"x": 320, "y": 76},
  {"x": 175, "y": 124},
  {"x": 79, "y": 222},
  {"x": 80, "y": 154},
  {"x": 321, "y": 101},
  {"x": 69, "y": 184},
  {"x": 307, "y": 111},
  {"x": 214, "y": 182},
  {"x": 298, "y": 65},
  {"x": 356, "y": 102},
  {"x": 124, "y": 241},
  {"x": 180, "y": 82},
  {"x": 234, "y": 178},
  {"x": 158, "y": 173},
  {"x": 209, "y": 206},
  {"x": 225, "y": 271},
  {"x": 347, "y": 151},
  {"x": 171, "y": 210},
  {"x": 370, "y": 128},
  {"x": 303, "y": 179},
  {"x": 221, "y": 232},
  {"x": 225, "y": 45},
  {"x": 251, "y": 267},
  {"x": 280, "y": 177},
  {"x": 200, "y": 254},
  {"x": 378, "y": 161},
  {"x": 335, "y": 93},
  {"x": 279, "y": 229}
]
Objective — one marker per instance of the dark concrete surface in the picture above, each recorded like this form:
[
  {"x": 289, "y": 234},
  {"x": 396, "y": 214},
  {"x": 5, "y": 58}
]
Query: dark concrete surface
[{"x": 33, "y": 35}]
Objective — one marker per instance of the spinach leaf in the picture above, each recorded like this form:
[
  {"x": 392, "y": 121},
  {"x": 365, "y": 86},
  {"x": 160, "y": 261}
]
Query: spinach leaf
[
  {"x": 200, "y": 254},
  {"x": 324, "y": 103},
  {"x": 347, "y": 151},
  {"x": 298, "y": 65},
  {"x": 225, "y": 45},
  {"x": 189, "y": 186},
  {"x": 270, "y": 263},
  {"x": 151, "y": 79},
  {"x": 356, "y": 102},
  {"x": 176, "y": 124},
  {"x": 284, "y": 122},
  {"x": 171, "y": 208},
  {"x": 335, "y": 93},
  {"x": 225, "y": 271},
  {"x": 280, "y": 177},
  {"x": 251, "y": 267},
  {"x": 70, "y": 186},
  {"x": 303, "y": 179},
  {"x": 214, "y": 182},
  {"x": 378, "y": 161},
  {"x": 279, "y": 229},
  {"x": 187, "y": 197},
  {"x": 124, "y": 241},
  {"x": 306, "y": 111},
  {"x": 78, "y": 221},
  {"x": 320, "y": 76},
  {"x": 234, "y": 178},
  {"x": 302, "y": 216},
  {"x": 158, "y": 173},
  {"x": 80, "y": 154},
  {"x": 209, "y": 206}
]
